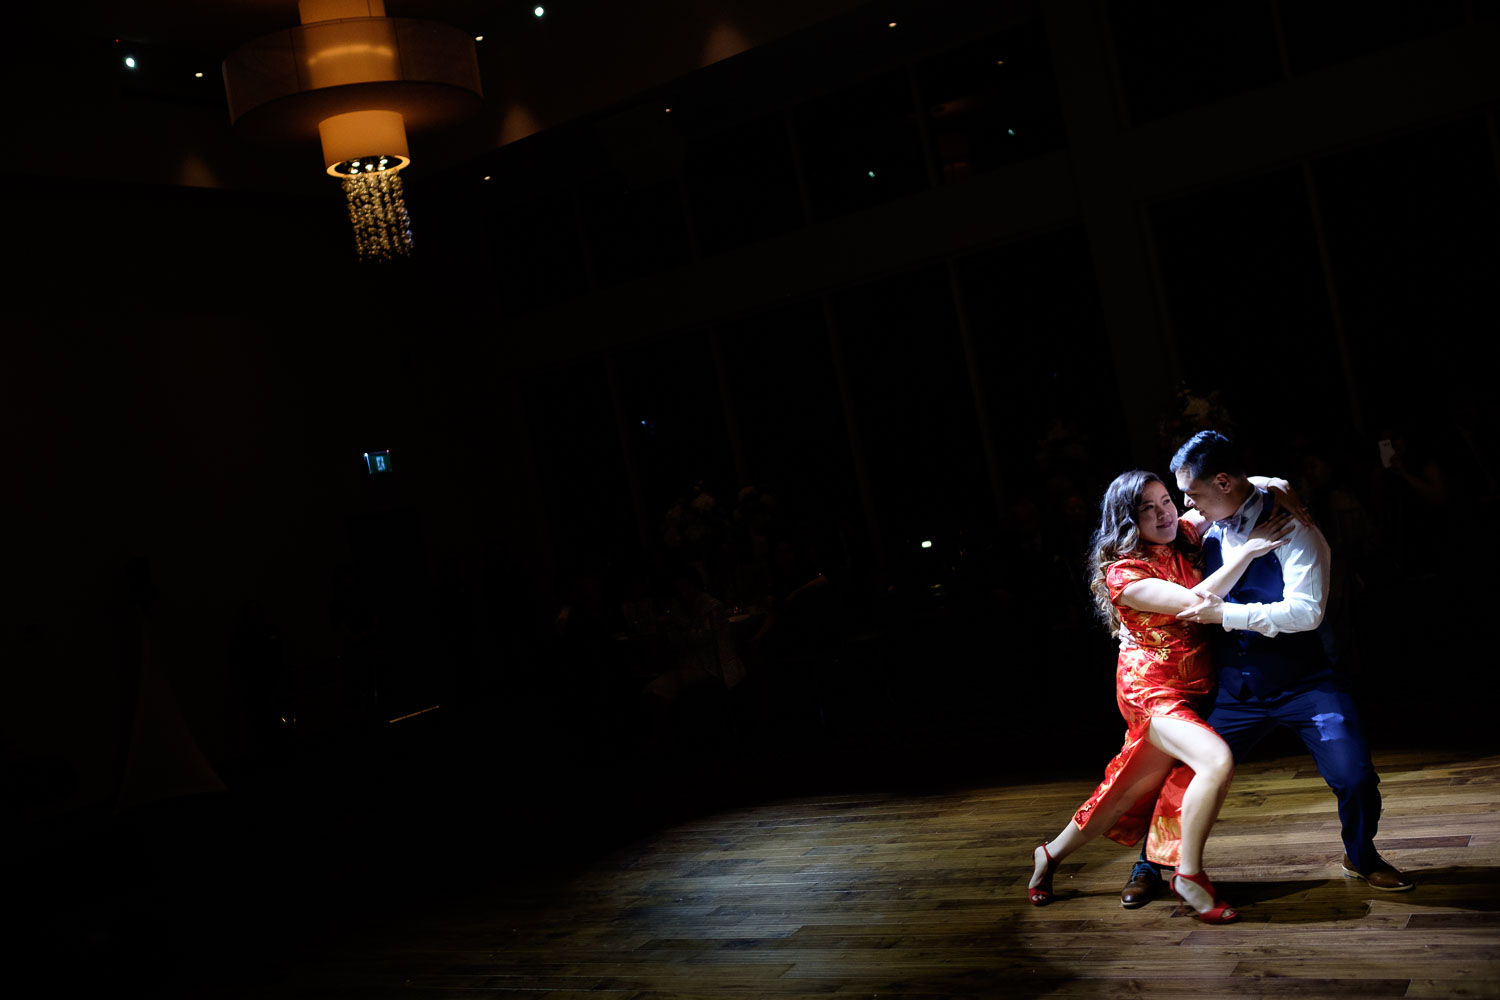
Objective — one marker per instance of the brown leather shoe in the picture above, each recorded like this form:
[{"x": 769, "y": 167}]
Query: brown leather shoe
[
  {"x": 1144, "y": 886},
  {"x": 1382, "y": 876}
]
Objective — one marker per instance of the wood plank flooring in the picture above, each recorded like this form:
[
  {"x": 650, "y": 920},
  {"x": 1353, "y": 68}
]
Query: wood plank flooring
[{"x": 879, "y": 894}]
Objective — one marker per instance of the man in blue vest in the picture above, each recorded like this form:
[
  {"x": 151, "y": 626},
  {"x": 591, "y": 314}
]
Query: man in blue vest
[{"x": 1271, "y": 663}]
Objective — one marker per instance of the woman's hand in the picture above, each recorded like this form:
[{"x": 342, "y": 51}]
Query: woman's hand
[
  {"x": 1284, "y": 496},
  {"x": 1209, "y": 610},
  {"x": 1286, "y": 499},
  {"x": 1270, "y": 534}
]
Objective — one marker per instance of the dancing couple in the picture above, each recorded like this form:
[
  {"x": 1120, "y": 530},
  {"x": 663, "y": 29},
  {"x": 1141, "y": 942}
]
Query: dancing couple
[{"x": 1216, "y": 613}]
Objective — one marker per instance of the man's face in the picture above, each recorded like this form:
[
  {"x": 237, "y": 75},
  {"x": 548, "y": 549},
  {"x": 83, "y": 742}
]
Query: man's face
[{"x": 1210, "y": 495}]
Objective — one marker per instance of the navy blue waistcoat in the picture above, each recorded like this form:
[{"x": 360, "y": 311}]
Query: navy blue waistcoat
[{"x": 1250, "y": 664}]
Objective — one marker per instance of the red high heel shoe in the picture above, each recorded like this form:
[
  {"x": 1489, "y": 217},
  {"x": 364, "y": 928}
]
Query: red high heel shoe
[
  {"x": 1041, "y": 893},
  {"x": 1222, "y": 912}
]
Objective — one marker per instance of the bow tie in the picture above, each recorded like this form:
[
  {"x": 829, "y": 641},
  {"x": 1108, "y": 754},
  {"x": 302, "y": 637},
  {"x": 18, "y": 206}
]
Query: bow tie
[{"x": 1234, "y": 523}]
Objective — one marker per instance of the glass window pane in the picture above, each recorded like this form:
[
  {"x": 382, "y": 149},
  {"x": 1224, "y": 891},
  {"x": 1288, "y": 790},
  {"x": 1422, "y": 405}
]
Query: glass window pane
[
  {"x": 1047, "y": 376},
  {"x": 743, "y": 184},
  {"x": 674, "y": 415},
  {"x": 536, "y": 254},
  {"x": 992, "y": 102},
  {"x": 1045, "y": 364},
  {"x": 576, "y": 448},
  {"x": 1414, "y": 235},
  {"x": 861, "y": 147},
  {"x": 791, "y": 425},
  {"x": 901, "y": 348},
  {"x": 1179, "y": 54},
  {"x": 786, "y": 400},
  {"x": 1249, "y": 307},
  {"x": 1323, "y": 32},
  {"x": 635, "y": 230}
]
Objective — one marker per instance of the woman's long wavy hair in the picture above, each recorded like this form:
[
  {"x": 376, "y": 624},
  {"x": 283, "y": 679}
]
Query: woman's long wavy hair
[{"x": 1118, "y": 536}]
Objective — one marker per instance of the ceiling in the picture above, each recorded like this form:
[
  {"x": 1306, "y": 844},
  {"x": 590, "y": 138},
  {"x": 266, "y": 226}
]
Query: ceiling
[
  {"x": 167, "y": 121},
  {"x": 196, "y": 22}
]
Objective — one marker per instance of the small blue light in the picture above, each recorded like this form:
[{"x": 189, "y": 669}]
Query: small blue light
[
  {"x": 872, "y": 173},
  {"x": 130, "y": 62},
  {"x": 1011, "y": 131}
]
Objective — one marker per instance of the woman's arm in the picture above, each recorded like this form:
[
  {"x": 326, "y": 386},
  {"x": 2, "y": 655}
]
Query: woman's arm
[
  {"x": 1163, "y": 597},
  {"x": 1270, "y": 534},
  {"x": 1159, "y": 597}
]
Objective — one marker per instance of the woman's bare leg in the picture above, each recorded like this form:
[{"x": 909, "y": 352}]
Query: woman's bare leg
[
  {"x": 1149, "y": 769},
  {"x": 1213, "y": 767}
]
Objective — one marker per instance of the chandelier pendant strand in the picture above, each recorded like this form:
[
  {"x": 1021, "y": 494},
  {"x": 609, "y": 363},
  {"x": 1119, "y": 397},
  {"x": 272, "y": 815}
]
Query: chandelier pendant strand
[{"x": 377, "y": 210}]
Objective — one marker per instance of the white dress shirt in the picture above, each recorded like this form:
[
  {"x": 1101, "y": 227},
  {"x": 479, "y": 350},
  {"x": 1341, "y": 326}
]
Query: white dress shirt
[{"x": 1304, "y": 574}]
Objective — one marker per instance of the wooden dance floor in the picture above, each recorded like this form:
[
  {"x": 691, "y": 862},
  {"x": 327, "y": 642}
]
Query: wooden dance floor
[{"x": 883, "y": 894}]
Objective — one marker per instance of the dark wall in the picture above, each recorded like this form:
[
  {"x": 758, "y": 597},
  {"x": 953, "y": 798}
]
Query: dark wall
[{"x": 191, "y": 380}]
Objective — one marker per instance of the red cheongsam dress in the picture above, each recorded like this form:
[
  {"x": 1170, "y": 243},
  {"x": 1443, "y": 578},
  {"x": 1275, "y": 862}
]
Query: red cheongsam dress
[{"x": 1164, "y": 669}]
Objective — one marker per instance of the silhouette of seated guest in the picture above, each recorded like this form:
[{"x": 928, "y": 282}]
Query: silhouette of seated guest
[
  {"x": 701, "y": 662},
  {"x": 1065, "y": 524},
  {"x": 697, "y": 626},
  {"x": 798, "y": 613},
  {"x": 1023, "y": 540},
  {"x": 694, "y": 531},
  {"x": 1346, "y": 524},
  {"x": 1416, "y": 505},
  {"x": 1341, "y": 514},
  {"x": 1418, "y": 467},
  {"x": 749, "y": 538}
]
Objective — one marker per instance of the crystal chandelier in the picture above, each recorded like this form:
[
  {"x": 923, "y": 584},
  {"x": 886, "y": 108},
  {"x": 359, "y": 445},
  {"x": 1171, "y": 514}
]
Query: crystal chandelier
[
  {"x": 382, "y": 230},
  {"x": 359, "y": 79},
  {"x": 371, "y": 179}
]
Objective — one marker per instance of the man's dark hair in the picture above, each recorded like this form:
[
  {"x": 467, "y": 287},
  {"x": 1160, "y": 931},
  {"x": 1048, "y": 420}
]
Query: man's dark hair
[{"x": 1208, "y": 453}]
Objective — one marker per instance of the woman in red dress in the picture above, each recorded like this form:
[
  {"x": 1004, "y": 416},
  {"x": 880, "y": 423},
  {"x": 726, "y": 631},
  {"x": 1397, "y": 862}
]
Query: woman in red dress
[{"x": 1145, "y": 571}]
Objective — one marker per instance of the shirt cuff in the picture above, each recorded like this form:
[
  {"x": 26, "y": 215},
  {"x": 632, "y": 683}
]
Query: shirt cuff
[{"x": 1236, "y": 616}]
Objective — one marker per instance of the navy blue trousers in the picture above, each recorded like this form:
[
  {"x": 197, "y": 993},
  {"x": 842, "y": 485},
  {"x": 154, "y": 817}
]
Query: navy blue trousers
[{"x": 1324, "y": 715}]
